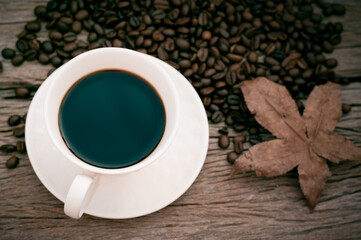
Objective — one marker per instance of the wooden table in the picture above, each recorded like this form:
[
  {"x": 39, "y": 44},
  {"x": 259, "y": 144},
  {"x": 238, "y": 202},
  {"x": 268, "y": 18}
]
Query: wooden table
[{"x": 216, "y": 206}]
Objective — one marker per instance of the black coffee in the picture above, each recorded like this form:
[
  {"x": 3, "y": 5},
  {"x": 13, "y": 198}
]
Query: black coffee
[{"x": 112, "y": 119}]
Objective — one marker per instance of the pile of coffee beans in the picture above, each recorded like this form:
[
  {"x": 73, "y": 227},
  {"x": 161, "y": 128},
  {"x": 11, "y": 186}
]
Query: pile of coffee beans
[{"x": 214, "y": 44}]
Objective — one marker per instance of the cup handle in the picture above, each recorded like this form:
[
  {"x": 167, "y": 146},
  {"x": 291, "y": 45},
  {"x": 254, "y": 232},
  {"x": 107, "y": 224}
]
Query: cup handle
[{"x": 79, "y": 195}]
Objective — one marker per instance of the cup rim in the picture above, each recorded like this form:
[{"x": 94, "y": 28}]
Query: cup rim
[{"x": 155, "y": 154}]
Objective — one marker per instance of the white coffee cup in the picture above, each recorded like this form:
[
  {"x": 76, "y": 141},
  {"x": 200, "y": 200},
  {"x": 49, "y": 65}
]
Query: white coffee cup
[{"x": 144, "y": 66}]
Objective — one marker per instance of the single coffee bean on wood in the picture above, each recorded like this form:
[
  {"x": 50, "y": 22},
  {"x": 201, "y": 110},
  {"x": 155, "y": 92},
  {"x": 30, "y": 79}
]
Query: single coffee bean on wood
[
  {"x": 223, "y": 141},
  {"x": 12, "y": 162},
  {"x": 8, "y": 148},
  {"x": 231, "y": 157},
  {"x": 14, "y": 120}
]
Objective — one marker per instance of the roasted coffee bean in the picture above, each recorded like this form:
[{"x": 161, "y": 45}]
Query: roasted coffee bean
[
  {"x": 231, "y": 157},
  {"x": 56, "y": 61},
  {"x": 22, "y": 92},
  {"x": 182, "y": 44},
  {"x": 234, "y": 57},
  {"x": 20, "y": 147},
  {"x": 62, "y": 26},
  {"x": 40, "y": 11},
  {"x": 69, "y": 47},
  {"x": 19, "y": 132},
  {"x": 17, "y": 60},
  {"x": 346, "y": 108},
  {"x": 217, "y": 117},
  {"x": 202, "y": 54},
  {"x": 8, "y": 53},
  {"x": 231, "y": 78},
  {"x": 77, "y": 52},
  {"x": 12, "y": 162},
  {"x": 69, "y": 37},
  {"x": 81, "y": 15},
  {"x": 55, "y": 35},
  {"x": 327, "y": 46},
  {"x": 238, "y": 144},
  {"x": 92, "y": 37},
  {"x": 43, "y": 58},
  {"x": 223, "y": 141},
  {"x": 331, "y": 63},
  {"x": 98, "y": 29},
  {"x": 8, "y": 148},
  {"x": 47, "y": 47},
  {"x": 76, "y": 26},
  {"x": 22, "y": 45},
  {"x": 162, "y": 54},
  {"x": 223, "y": 130},
  {"x": 271, "y": 61},
  {"x": 33, "y": 27},
  {"x": 30, "y": 54},
  {"x": 202, "y": 19},
  {"x": 252, "y": 57},
  {"x": 158, "y": 36}
]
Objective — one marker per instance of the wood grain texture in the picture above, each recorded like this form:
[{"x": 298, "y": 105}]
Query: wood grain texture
[{"x": 216, "y": 206}]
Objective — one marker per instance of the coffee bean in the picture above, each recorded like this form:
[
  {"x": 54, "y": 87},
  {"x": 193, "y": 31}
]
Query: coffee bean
[
  {"x": 19, "y": 132},
  {"x": 202, "y": 19},
  {"x": 92, "y": 37},
  {"x": 294, "y": 72},
  {"x": 69, "y": 47},
  {"x": 43, "y": 58},
  {"x": 234, "y": 57},
  {"x": 81, "y": 15},
  {"x": 8, "y": 53},
  {"x": 252, "y": 57},
  {"x": 331, "y": 63},
  {"x": 238, "y": 144},
  {"x": 223, "y": 141},
  {"x": 20, "y": 147},
  {"x": 22, "y": 92},
  {"x": 30, "y": 54},
  {"x": 77, "y": 52},
  {"x": 76, "y": 26},
  {"x": 47, "y": 47},
  {"x": 33, "y": 27},
  {"x": 56, "y": 61},
  {"x": 12, "y": 162},
  {"x": 231, "y": 78},
  {"x": 22, "y": 45},
  {"x": 271, "y": 61},
  {"x": 69, "y": 37},
  {"x": 231, "y": 157},
  {"x": 40, "y": 11},
  {"x": 8, "y": 148},
  {"x": 217, "y": 117},
  {"x": 98, "y": 29},
  {"x": 1, "y": 67},
  {"x": 248, "y": 16},
  {"x": 209, "y": 72},
  {"x": 162, "y": 54},
  {"x": 327, "y": 46},
  {"x": 55, "y": 35},
  {"x": 202, "y": 54},
  {"x": 346, "y": 108},
  {"x": 17, "y": 60},
  {"x": 182, "y": 44}
]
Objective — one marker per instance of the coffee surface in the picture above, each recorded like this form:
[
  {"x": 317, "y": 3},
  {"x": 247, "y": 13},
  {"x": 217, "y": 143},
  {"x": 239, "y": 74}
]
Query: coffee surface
[{"x": 112, "y": 119}]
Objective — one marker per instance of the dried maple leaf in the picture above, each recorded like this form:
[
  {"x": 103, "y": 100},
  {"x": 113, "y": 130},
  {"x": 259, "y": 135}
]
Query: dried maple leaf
[{"x": 305, "y": 141}]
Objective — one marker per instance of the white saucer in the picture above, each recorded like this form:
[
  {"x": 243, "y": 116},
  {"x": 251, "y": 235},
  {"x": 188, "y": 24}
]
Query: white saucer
[{"x": 137, "y": 193}]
